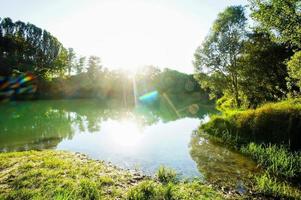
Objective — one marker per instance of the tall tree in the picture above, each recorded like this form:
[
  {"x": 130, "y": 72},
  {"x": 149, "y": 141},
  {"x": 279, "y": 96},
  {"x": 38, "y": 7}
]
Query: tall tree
[
  {"x": 263, "y": 72},
  {"x": 294, "y": 70},
  {"x": 220, "y": 51},
  {"x": 282, "y": 18},
  {"x": 94, "y": 65},
  {"x": 25, "y": 47},
  {"x": 80, "y": 64},
  {"x": 71, "y": 60}
]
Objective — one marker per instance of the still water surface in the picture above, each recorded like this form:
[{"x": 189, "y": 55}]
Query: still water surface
[{"x": 140, "y": 137}]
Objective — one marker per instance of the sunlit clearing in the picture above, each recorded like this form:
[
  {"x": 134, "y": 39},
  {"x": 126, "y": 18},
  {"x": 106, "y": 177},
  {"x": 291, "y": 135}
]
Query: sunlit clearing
[{"x": 125, "y": 133}]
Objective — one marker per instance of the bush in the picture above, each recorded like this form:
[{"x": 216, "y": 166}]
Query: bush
[
  {"x": 275, "y": 123},
  {"x": 144, "y": 191},
  {"x": 166, "y": 175}
]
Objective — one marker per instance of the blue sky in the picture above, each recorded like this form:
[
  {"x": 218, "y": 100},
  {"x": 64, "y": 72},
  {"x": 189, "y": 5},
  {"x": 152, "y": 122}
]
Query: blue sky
[{"x": 125, "y": 33}]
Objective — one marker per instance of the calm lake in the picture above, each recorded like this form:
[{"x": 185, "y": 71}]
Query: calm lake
[{"x": 138, "y": 137}]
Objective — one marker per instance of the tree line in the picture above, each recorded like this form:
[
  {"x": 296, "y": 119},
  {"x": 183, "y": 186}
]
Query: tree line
[
  {"x": 60, "y": 73},
  {"x": 25, "y": 47},
  {"x": 247, "y": 64}
]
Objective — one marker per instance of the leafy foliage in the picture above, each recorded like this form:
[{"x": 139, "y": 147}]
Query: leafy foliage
[
  {"x": 276, "y": 123},
  {"x": 219, "y": 53},
  {"x": 263, "y": 71},
  {"x": 294, "y": 68},
  {"x": 280, "y": 18},
  {"x": 166, "y": 175},
  {"x": 25, "y": 47}
]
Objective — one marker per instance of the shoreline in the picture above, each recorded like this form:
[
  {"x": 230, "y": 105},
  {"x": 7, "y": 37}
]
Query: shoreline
[{"x": 51, "y": 174}]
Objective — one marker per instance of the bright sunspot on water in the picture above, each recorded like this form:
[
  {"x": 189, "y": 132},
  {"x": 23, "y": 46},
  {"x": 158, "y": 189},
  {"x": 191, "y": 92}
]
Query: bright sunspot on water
[{"x": 125, "y": 133}]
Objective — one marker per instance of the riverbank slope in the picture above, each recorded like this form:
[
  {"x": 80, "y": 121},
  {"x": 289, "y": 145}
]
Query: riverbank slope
[
  {"x": 62, "y": 175},
  {"x": 270, "y": 135}
]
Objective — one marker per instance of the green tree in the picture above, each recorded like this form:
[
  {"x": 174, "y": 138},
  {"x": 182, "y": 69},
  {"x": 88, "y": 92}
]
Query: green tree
[
  {"x": 220, "y": 51},
  {"x": 61, "y": 63},
  {"x": 94, "y": 65},
  {"x": 25, "y": 47},
  {"x": 281, "y": 18},
  {"x": 294, "y": 68},
  {"x": 263, "y": 72},
  {"x": 80, "y": 64},
  {"x": 71, "y": 60}
]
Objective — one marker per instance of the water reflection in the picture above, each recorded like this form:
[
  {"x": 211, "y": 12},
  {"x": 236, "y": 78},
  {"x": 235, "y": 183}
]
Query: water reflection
[
  {"x": 33, "y": 126},
  {"x": 43, "y": 124},
  {"x": 125, "y": 133},
  {"x": 144, "y": 136},
  {"x": 220, "y": 165}
]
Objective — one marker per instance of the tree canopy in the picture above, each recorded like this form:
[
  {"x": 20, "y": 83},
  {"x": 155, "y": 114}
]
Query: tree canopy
[
  {"x": 280, "y": 18},
  {"x": 25, "y": 47},
  {"x": 219, "y": 53},
  {"x": 247, "y": 67}
]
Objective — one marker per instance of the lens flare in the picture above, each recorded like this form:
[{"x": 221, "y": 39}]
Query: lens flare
[
  {"x": 149, "y": 98},
  {"x": 17, "y": 85}
]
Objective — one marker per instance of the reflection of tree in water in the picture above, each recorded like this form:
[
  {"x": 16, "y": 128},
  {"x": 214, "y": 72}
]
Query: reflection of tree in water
[
  {"x": 170, "y": 107},
  {"x": 23, "y": 125},
  {"x": 43, "y": 124},
  {"x": 219, "y": 165}
]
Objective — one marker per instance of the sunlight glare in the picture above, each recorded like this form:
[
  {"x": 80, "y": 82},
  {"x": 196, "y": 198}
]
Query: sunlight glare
[
  {"x": 128, "y": 35},
  {"x": 125, "y": 133}
]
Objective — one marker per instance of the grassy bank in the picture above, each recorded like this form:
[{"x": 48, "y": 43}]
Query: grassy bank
[
  {"x": 61, "y": 175},
  {"x": 273, "y": 123},
  {"x": 270, "y": 135}
]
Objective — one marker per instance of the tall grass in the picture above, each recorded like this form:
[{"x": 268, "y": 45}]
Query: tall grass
[
  {"x": 277, "y": 160},
  {"x": 166, "y": 175},
  {"x": 275, "y": 123},
  {"x": 271, "y": 186},
  {"x": 151, "y": 190},
  {"x": 270, "y": 135}
]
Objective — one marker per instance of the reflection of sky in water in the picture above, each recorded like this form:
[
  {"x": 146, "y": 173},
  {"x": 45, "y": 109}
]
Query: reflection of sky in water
[
  {"x": 127, "y": 144},
  {"x": 143, "y": 138}
]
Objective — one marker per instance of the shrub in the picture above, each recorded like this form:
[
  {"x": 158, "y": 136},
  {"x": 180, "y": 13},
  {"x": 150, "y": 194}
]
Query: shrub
[
  {"x": 144, "y": 191},
  {"x": 166, "y": 175},
  {"x": 276, "y": 123}
]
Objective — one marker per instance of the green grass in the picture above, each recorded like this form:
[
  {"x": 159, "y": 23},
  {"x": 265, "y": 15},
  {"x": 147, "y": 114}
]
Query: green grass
[
  {"x": 150, "y": 190},
  {"x": 279, "y": 189},
  {"x": 166, "y": 175},
  {"x": 269, "y": 135},
  {"x": 275, "y": 123},
  {"x": 277, "y": 160},
  {"x": 61, "y": 175}
]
